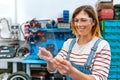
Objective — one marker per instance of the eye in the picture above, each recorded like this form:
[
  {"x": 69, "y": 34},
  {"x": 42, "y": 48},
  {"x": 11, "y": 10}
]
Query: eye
[
  {"x": 76, "y": 20},
  {"x": 83, "y": 20}
]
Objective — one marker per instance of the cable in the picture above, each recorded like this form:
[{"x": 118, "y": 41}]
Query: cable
[
  {"x": 21, "y": 47},
  {"x": 21, "y": 28},
  {"x": 7, "y": 26},
  {"x": 6, "y": 22}
]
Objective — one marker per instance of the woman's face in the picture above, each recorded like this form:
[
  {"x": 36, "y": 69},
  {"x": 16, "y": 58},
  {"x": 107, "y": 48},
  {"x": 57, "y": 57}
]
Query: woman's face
[{"x": 83, "y": 24}]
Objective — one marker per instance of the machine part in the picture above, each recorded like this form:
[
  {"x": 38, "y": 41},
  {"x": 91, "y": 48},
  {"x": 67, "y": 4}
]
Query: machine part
[
  {"x": 22, "y": 51},
  {"x": 19, "y": 76},
  {"x": 4, "y": 76},
  {"x": 15, "y": 32},
  {"x": 34, "y": 23},
  {"x": 7, "y": 51}
]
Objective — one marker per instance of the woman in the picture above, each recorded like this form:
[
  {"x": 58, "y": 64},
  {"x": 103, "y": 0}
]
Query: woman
[{"x": 85, "y": 26}]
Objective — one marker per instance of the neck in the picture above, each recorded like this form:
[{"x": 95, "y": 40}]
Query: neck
[{"x": 84, "y": 39}]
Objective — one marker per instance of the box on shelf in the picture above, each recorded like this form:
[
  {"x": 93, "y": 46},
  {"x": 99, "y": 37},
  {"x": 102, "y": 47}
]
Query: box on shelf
[{"x": 106, "y": 14}]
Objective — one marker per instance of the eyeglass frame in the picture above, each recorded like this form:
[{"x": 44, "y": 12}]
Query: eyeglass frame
[{"x": 82, "y": 20}]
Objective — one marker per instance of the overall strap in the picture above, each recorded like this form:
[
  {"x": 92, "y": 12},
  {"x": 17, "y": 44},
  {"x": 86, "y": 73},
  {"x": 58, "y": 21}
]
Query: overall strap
[
  {"x": 90, "y": 57},
  {"x": 70, "y": 48}
]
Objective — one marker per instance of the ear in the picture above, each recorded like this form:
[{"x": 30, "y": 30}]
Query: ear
[{"x": 93, "y": 23}]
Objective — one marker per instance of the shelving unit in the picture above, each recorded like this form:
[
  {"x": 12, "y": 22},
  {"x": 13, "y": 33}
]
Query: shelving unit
[
  {"x": 52, "y": 40},
  {"x": 110, "y": 30}
]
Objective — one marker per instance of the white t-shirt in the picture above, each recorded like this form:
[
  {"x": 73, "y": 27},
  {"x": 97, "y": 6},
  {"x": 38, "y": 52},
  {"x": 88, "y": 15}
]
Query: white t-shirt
[{"x": 100, "y": 62}]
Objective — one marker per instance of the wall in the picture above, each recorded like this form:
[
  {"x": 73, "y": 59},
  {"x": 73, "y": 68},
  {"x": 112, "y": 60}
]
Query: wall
[
  {"x": 7, "y": 9},
  {"x": 46, "y": 9},
  {"x": 20, "y": 11}
]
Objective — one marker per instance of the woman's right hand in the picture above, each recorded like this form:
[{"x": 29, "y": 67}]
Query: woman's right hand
[{"x": 45, "y": 54}]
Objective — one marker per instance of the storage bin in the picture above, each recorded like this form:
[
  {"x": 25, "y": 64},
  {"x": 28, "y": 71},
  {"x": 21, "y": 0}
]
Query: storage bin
[
  {"x": 112, "y": 27},
  {"x": 112, "y": 74},
  {"x": 106, "y": 14}
]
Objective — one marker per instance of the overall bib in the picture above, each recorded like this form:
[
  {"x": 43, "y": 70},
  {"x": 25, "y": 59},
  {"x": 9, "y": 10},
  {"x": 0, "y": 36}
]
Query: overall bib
[{"x": 86, "y": 67}]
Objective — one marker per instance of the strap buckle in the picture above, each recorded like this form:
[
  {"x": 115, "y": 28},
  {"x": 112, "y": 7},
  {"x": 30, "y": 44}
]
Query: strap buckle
[
  {"x": 93, "y": 49},
  {"x": 87, "y": 67}
]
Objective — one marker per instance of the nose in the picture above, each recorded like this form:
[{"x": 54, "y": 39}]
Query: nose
[{"x": 79, "y": 24}]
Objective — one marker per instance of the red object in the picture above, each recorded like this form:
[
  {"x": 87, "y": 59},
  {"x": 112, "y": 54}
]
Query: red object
[
  {"x": 106, "y": 14},
  {"x": 26, "y": 37},
  {"x": 59, "y": 19},
  {"x": 26, "y": 30},
  {"x": 40, "y": 34},
  {"x": 39, "y": 74}
]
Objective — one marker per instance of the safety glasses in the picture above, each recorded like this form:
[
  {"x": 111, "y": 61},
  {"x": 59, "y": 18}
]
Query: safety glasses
[{"x": 82, "y": 20}]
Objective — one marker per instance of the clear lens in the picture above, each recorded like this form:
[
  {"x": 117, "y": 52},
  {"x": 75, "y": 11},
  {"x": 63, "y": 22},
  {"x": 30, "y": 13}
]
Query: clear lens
[{"x": 83, "y": 20}]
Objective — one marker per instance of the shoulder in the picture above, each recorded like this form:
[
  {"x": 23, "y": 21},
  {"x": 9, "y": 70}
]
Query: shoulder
[
  {"x": 104, "y": 44},
  {"x": 67, "y": 43}
]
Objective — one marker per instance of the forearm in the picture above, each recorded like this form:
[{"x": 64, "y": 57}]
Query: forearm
[{"x": 75, "y": 73}]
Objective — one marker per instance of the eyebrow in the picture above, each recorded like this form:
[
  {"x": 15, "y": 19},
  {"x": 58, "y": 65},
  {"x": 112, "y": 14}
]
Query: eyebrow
[{"x": 83, "y": 18}]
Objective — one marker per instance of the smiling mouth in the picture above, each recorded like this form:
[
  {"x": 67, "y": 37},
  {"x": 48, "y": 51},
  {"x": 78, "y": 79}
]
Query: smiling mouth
[{"x": 81, "y": 28}]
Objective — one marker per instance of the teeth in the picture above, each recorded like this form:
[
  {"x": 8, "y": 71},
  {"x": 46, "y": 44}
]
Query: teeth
[{"x": 81, "y": 27}]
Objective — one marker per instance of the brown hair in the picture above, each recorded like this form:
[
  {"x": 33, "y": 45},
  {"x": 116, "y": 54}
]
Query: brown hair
[{"x": 91, "y": 13}]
